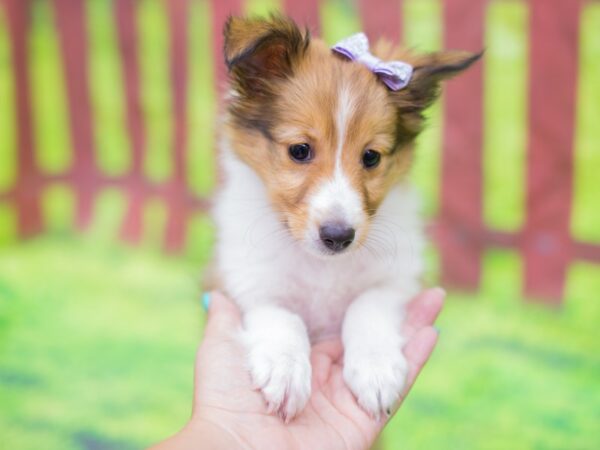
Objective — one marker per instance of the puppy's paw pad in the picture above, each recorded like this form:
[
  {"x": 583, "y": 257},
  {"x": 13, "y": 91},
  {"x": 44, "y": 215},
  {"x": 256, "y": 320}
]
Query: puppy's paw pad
[
  {"x": 376, "y": 379},
  {"x": 284, "y": 379}
]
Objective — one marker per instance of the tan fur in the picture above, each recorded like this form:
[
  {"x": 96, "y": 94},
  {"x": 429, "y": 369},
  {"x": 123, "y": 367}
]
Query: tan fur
[{"x": 295, "y": 100}]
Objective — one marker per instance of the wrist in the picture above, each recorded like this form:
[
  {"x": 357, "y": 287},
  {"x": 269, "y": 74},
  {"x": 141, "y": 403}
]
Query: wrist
[
  {"x": 210, "y": 434},
  {"x": 202, "y": 434}
]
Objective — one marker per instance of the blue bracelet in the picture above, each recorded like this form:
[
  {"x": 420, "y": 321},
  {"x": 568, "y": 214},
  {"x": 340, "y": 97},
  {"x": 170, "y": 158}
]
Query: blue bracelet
[{"x": 206, "y": 300}]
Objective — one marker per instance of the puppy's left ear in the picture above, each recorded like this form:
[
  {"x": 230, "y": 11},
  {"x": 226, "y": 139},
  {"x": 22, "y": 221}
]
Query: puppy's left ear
[
  {"x": 259, "y": 51},
  {"x": 425, "y": 85},
  {"x": 428, "y": 71}
]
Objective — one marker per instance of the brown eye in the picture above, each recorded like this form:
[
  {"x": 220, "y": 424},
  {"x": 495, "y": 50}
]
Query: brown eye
[
  {"x": 371, "y": 158},
  {"x": 300, "y": 153}
]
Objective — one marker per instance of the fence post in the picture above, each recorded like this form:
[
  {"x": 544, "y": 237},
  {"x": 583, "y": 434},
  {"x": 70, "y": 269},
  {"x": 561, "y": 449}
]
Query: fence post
[
  {"x": 221, "y": 9},
  {"x": 176, "y": 193},
  {"x": 460, "y": 222},
  {"x": 382, "y": 18},
  {"x": 305, "y": 13},
  {"x": 71, "y": 25},
  {"x": 546, "y": 243},
  {"x": 125, "y": 19},
  {"x": 29, "y": 181}
]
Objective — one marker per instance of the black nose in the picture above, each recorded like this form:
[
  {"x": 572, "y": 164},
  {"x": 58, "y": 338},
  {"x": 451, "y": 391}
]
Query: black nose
[{"x": 336, "y": 237}]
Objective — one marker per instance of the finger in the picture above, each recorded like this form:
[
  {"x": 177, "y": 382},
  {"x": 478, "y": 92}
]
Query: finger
[
  {"x": 223, "y": 315},
  {"x": 323, "y": 355},
  {"x": 423, "y": 310},
  {"x": 333, "y": 349},
  {"x": 417, "y": 351}
]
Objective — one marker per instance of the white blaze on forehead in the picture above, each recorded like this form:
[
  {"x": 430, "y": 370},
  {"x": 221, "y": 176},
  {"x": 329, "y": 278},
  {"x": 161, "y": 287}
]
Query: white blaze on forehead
[
  {"x": 336, "y": 200},
  {"x": 345, "y": 109}
]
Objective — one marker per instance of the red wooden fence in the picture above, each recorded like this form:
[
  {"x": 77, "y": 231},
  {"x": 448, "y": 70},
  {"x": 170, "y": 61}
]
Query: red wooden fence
[{"x": 545, "y": 241}]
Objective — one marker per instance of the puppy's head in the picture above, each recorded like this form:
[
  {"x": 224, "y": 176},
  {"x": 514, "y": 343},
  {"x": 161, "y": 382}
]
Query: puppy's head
[{"x": 325, "y": 135}]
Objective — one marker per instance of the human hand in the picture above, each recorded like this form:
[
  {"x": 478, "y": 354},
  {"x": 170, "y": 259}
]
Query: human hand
[{"x": 230, "y": 413}]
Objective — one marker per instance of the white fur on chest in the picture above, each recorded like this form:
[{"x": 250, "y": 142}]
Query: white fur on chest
[{"x": 260, "y": 263}]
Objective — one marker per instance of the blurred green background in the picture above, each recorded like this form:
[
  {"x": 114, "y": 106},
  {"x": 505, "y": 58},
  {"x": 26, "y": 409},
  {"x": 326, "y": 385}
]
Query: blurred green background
[{"x": 97, "y": 338}]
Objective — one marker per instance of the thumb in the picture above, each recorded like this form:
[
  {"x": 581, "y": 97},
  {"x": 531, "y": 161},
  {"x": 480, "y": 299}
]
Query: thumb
[{"x": 223, "y": 315}]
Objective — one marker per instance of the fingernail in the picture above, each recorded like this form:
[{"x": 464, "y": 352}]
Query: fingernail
[
  {"x": 206, "y": 300},
  {"x": 440, "y": 290}
]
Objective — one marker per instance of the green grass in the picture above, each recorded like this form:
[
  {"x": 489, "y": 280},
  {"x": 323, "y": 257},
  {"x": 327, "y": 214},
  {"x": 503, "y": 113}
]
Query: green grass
[
  {"x": 111, "y": 138},
  {"x": 584, "y": 222},
  {"x": 506, "y": 114},
  {"x": 7, "y": 120},
  {"x": 423, "y": 32},
  {"x": 97, "y": 345},
  {"x": 508, "y": 374},
  {"x": 338, "y": 20},
  {"x": 200, "y": 165},
  {"x": 8, "y": 226},
  {"x": 154, "y": 58},
  {"x": 97, "y": 339},
  {"x": 48, "y": 92}
]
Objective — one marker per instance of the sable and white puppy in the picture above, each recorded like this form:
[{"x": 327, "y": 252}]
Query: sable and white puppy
[{"x": 319, "y": 234}]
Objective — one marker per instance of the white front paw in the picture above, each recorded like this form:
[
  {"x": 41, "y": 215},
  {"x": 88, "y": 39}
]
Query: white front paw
[
  {"x": 376, "y": 377},
  {"x": 283, "y": 374}
]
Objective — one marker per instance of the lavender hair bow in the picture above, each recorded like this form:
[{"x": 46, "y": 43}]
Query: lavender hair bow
[{"x": 395, "y": 74}]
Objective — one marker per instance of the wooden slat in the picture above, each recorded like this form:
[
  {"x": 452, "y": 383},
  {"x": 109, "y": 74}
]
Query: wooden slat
[
  {"x": 587, "y": 252},
  {"x": 178, "y": 13},
  {"x": 494, "y": 238},
  {"x": 178, "y": 26},
  {"x": 221, "y": 9},
  {"x": 552, "y": 91},
  {"x": 382, "y": 19},
  {"x": 461, "y": 184},
  {"x": 125, "y": 14},
  {"x": 7, "y": 196},
  {"x": 27, "y": 189},
  {"x": 305, "y": 13},
  {"x": 72, "y": 30},
  {"x": 193, "y": 202}
]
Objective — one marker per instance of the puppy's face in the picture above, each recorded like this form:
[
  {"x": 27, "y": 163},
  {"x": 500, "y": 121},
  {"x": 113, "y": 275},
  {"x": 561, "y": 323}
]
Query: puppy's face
[{"x": 327, "y": 138}]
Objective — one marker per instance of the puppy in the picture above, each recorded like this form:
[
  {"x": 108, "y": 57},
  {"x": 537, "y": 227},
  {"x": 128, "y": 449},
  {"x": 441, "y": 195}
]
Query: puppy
[{"x": 319, "y": 233}]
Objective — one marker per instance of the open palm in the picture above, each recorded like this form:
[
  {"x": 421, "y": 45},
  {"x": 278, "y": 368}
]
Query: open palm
[{"x": 227, "y": 406}]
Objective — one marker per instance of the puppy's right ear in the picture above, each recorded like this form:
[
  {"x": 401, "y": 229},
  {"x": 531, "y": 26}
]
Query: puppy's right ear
[{"x": 259, "y": 51}]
